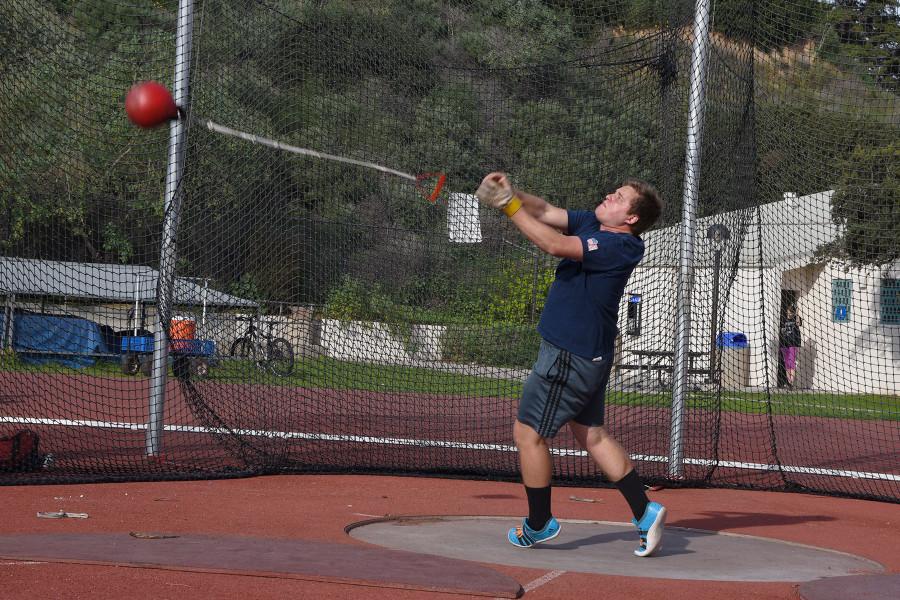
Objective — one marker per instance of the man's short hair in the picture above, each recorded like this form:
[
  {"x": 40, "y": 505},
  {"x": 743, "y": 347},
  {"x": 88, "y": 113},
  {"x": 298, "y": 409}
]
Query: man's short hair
[{"x": 647, "y": 206}]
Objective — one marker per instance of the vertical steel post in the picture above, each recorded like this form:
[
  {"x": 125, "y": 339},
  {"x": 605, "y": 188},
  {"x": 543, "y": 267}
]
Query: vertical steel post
[
  {"x": 696, "y": 106},
  {"x": 534, "y": 284},
  {"x": 8, "y": 316},
  {"x": 137, "y": 307},
  {"x": 205, "y": 296},
  {"x": 714, "y": 314},
  {"x": 165, "y": 283}
]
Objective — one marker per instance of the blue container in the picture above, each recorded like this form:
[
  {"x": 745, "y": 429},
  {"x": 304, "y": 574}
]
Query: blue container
[
  {"x": 194, "y": 347},
  {"x": 732, "y": 339},
  {"x": 141, "y": 343}
]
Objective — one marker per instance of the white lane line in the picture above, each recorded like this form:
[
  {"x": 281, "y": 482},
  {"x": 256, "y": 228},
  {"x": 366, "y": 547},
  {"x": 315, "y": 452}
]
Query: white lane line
[
  {"x": 546, "y": 578},
  {"x": 366, "y": 439}
]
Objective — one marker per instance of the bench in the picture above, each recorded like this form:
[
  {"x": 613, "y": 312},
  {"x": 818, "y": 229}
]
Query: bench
[{"x": 662, "y": 362}]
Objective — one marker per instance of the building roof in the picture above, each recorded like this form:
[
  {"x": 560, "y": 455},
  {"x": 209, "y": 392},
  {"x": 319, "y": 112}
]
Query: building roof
[
  {"x": 106, "y": 282},
  {"x": 764, "y": 235}
]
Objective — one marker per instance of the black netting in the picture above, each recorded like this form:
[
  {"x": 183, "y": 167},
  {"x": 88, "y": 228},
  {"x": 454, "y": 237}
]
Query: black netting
[{"x": 320, "y": 312}]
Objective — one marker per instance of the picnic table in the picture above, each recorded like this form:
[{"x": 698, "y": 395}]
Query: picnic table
[{"x": 663, "y": 363}]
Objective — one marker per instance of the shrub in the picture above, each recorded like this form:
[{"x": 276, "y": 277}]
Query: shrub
[
  {"x": 497, "y": 345},
  {"x": 353, "y": 301},
  {"x": 514, "y": 292}
]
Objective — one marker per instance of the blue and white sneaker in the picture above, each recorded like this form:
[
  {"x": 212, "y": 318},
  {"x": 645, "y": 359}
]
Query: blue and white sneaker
[
  {"x": 526, "y": 537},
  {"x": 650, "y": 528}
]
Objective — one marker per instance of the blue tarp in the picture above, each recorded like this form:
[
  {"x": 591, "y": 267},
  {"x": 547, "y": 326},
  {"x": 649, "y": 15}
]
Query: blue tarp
[{"x": 48, "y": 333}]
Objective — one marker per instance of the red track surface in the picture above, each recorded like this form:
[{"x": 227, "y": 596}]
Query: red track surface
[
  {"x": 318, "y": 507},
  {"x": 816, "y": 442}
]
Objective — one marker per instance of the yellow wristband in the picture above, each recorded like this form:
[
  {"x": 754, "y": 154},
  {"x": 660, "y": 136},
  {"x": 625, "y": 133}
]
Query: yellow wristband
[{"x": 513, "y": 206}]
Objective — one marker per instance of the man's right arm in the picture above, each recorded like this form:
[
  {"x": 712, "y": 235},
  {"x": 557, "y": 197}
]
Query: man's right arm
[{"x": 496, "y": 189}]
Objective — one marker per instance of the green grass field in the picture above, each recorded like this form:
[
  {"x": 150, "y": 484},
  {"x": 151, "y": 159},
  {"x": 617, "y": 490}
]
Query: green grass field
[
  {"x": 324, "y": 372},
  {"x": 810, "y": 404}
]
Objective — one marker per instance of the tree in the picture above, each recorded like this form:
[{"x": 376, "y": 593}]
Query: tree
[
  {"x": 770, "y": 24},
  {"x": 869, "y": 32},
  {"x": 866, "y": 204}
]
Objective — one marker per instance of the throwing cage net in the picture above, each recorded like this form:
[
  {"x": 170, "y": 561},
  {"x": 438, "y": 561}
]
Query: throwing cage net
[{"x": 276, "y": 283}]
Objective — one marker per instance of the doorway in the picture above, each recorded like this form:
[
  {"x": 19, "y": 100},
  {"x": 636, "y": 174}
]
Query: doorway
[{"x": 788, "y": 300}]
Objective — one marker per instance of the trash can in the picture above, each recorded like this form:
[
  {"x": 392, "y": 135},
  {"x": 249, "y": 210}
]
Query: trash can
[{"x": 734, "y": 359}]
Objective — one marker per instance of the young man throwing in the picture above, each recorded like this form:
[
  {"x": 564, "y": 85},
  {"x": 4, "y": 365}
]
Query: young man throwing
[{"x": 567, "y": 384}]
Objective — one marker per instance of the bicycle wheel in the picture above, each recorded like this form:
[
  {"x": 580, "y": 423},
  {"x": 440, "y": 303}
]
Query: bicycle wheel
[
  {"x": 243, "y": 349},
  {"x": 131, "y": 363},
  {"x": 280, "y": 356},
  {"x": 199, "y": 367},
  {"x": 665, "y": 378}
]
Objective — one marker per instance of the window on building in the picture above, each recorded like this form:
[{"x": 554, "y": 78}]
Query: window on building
[
  {"x": 890, "y": 301},
  {"x": 841, "y": 295}
]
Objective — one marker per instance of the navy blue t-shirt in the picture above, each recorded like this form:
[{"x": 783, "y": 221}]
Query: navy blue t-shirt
[{"x": 582, "y": 308}]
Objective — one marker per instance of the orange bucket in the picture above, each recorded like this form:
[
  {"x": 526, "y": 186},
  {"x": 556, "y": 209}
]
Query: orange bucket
[{"x": 183, "y": 328}]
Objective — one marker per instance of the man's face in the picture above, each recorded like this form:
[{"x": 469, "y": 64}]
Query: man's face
[{"x": 615, "y": 209}]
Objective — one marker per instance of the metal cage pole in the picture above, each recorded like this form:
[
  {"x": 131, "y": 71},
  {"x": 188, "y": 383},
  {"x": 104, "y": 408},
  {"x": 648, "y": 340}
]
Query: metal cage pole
[
  {"x": 9, "y": 312},
  {"x": 174, "y": 194},
  {"x": 696, "y": 105}
]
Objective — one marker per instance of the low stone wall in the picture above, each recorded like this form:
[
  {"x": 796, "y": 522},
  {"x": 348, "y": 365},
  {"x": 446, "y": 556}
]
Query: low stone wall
[{"x": 375, "y": 342}]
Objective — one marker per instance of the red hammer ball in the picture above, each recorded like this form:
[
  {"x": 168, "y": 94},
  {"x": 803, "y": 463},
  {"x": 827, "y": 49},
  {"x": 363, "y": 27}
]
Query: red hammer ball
[{"x": 150, "y": 104}]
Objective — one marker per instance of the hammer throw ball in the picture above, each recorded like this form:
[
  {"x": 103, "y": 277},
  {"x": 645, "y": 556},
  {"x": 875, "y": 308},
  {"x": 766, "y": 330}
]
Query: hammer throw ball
[{"x": 150, "y": 104}]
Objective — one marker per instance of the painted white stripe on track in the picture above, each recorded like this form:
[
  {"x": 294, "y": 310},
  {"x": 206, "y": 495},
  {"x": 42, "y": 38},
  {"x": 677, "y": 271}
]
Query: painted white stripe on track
[
  {"x": 546, "y": 578},
  {"x": 366, "y": 439}
]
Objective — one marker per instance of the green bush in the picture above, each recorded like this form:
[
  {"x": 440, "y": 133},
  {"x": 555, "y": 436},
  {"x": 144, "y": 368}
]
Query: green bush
[
  {"x": 354, "y": 301},
  {"x": 497, "y": 345},
  {"x": 515, "y": 290},
  {"x": 500, "y": 344}
]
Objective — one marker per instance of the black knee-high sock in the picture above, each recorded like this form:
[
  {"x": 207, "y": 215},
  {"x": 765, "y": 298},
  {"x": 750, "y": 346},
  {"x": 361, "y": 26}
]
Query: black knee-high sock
[
  {"x": 538, "y": 506},
  {"x": 632, "y": 488}
]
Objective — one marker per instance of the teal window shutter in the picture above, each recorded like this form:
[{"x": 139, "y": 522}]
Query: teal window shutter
[
  {"x": 890, "y": 301},
  {"x": 841, "y": 298}
]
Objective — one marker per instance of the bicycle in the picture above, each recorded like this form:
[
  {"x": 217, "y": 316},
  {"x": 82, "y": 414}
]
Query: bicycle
[{"x": 268, "y": 351}]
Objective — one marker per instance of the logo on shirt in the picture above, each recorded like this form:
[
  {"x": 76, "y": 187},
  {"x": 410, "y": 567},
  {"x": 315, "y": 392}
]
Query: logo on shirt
[{"x": 592, "y": 244}]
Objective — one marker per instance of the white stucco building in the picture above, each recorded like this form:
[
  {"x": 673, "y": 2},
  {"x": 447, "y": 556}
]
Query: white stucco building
[{"x": 851, "y": 316}]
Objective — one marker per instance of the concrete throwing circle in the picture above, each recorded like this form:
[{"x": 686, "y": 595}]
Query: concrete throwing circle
[{"x": 606, "y": 548}]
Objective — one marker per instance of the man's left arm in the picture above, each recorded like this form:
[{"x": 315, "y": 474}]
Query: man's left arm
[
  {"x": 497, "y": 191},
  {"x": 547, "y": 238}
]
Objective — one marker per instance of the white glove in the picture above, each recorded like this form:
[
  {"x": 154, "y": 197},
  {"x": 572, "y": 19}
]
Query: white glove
[{"x": 493, "y": 193}]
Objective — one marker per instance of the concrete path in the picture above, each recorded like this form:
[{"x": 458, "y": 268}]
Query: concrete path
[{"x": 265, "y": 557}]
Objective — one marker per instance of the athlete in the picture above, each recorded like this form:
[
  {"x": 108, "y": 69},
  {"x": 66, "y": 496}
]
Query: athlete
[{"x": 599, "y": 250}]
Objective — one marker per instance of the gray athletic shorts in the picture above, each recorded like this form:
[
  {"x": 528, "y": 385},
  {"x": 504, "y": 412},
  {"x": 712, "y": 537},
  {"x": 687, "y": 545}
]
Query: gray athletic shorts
[{"x": 563, "y": 387}]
